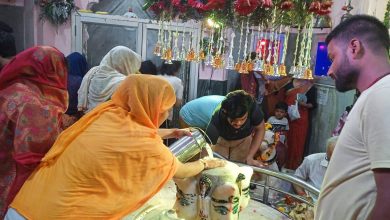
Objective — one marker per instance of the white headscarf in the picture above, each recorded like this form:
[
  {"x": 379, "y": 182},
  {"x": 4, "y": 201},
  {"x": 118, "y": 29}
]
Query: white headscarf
[{"x": 100, "y": 82}]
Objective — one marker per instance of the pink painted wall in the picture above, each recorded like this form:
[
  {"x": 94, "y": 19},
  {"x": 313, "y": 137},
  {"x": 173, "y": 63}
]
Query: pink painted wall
[
  {"x": 207, "y": 71},
  {"x": 44, "y": 32},
  {"x": 59, "y": 37}
]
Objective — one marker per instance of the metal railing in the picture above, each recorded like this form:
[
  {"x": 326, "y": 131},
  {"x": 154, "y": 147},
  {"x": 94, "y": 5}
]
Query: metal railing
[{"x": 282, "y": 176}]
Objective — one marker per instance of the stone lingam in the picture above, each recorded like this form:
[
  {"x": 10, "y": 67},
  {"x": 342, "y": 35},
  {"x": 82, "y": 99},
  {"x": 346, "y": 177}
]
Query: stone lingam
[
  {"x": 215, "y": 194},
  {"x": 219, "y": 193}
]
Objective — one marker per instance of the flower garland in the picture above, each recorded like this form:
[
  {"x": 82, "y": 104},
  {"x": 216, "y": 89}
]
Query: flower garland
[
  {"x": 56, "y": 11},
  {"x": 245, "y": 7},
  {"x": 229, "y": 12}
]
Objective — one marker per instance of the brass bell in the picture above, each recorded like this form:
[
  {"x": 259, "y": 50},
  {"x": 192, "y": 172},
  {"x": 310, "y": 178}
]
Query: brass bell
[
  {"x": 202, "y": 55},
  {"x": 237, "y": 67},
  {"x": 282, "y": 70},
  {"x": 308, "y": 74},
  {"x": 157, "y": 49},
  {"x": 268, "y": 69}
]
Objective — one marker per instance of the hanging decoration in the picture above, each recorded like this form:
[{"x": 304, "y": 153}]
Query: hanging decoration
[
  {"x": 245, "y": 7},
  {"x": 228, "y": 12},
  {"x": 286, "y": 5},
  {"x": 56, "y": 12},
  {"x": 267, "y": 25}
]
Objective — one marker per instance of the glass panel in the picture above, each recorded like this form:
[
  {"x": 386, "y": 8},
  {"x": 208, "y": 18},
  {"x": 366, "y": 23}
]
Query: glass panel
[
  {"x": 151, "y": 39},
  {"x": 98, "y": 39}
]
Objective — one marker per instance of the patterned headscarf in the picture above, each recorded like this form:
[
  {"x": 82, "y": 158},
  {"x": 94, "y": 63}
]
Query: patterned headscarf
[{"x": 33, "y": 98}]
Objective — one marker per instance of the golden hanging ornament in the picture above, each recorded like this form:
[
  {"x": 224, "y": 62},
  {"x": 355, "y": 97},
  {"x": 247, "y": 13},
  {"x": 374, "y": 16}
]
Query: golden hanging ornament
[
  {"x": 190, "y": 55},
  {"x": 268, "y": 69},
  {"x": 168, "y": 55},
  {"x": 237, "y": 67},
  {"x": 309, "y": 74},
  {"x": 202, "y": 55},
  {"x": 282, "y": 70},
  {"x": 157, "y": 49},
  {"x": 243, "y": 68},
  {"x": 218, "y": 62}
]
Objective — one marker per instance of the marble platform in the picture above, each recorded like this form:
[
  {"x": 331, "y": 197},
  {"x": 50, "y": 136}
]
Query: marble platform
[{"x": 167, "y": 197}]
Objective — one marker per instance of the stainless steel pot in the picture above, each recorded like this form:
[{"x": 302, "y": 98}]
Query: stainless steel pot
[{"x": 187, "y": 147}]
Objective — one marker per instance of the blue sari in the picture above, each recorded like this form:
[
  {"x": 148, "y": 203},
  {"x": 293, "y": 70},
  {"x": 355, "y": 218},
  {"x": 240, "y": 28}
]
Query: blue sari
[{"x": 77, "y": 68}]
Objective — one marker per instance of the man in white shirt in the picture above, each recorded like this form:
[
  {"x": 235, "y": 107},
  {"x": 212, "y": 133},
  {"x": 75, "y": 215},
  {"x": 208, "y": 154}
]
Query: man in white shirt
[
  {"x": 356, "y": 183},
  {"x": 314, "y": 166}
]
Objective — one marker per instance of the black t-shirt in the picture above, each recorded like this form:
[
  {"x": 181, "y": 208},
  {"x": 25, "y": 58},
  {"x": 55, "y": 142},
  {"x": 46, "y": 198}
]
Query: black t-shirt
[{"x": 220, "y": 127}]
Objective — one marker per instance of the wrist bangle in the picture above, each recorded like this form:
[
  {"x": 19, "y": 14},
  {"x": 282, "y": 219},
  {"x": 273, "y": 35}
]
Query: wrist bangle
[{"x": 204, "y": 163}]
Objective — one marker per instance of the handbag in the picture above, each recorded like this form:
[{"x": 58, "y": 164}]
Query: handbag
[{"x": 293, "y": 111}]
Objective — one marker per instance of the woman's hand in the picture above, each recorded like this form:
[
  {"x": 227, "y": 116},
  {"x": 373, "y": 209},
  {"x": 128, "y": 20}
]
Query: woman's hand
[
  {"x": 306, "y": 105},
  {"x": 178, "y": 133},
  {"x": 210, "y": 163},
  {"x": 173, "y": 132}
]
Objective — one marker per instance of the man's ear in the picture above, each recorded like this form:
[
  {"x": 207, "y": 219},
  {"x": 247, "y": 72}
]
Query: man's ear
[{"x": 355, "y": 48}]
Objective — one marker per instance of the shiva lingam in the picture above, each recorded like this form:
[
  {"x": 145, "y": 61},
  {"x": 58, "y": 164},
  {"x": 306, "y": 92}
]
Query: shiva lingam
[
  {"x": 219, "y": 193},
  {"x": 267, "y": 152},
  {"x": 215, "y": 194}
]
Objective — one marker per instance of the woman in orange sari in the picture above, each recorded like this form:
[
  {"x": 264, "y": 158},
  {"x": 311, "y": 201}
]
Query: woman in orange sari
[
  {"x": 33, "y": 98},
  {"x": 298, "y": 127},
  {"x": 111, "y": 161}
]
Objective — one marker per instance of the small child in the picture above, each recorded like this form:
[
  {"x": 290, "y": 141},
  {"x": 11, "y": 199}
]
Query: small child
[{"x": 279, "y": 122}]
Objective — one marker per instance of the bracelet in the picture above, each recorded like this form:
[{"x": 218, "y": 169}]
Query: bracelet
[{"x": 204, "y": 164}]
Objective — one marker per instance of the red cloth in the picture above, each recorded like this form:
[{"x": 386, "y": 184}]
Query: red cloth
[
  {"x": 33, "y": 98},
  {"x": 298, "y": 129},
  {"x": 249, "y": 83}
]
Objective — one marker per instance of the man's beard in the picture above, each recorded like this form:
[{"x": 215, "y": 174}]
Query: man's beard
[{"x": 346, "y": 77}]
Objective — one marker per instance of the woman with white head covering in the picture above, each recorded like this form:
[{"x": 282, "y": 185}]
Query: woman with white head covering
[{"x": 100, "y": 82}]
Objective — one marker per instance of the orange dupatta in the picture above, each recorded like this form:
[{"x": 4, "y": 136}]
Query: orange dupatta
[{"x": 107, "y": 164}]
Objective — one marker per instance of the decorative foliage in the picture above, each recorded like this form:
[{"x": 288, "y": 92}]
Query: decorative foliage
[
  {"x": 387, "y": 16},
  {"x": 231, "y": 12},
  {"x": 56, "y": 11}
]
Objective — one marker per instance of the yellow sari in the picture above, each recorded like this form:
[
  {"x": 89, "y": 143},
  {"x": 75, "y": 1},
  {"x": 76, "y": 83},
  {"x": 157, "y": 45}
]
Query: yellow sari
[{"x": 107, "y": 164}]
